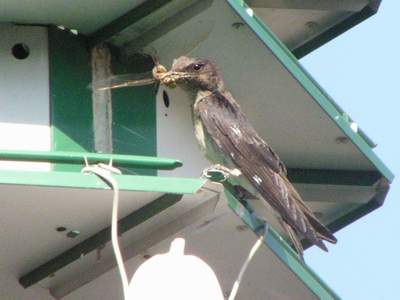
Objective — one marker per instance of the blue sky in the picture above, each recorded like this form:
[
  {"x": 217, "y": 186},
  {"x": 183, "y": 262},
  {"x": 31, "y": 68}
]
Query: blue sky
[{"x": 360, "y": 70}]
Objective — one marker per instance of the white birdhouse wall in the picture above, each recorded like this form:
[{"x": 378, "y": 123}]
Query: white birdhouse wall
[
  {"x": 24, "y": 93},
  {"x": 175, "y": 133}
]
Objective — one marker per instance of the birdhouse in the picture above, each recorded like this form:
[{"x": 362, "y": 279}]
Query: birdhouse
[{"x": 54, "y": 120}]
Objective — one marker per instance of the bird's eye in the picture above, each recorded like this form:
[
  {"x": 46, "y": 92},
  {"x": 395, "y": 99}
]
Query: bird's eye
[{"x": 197, "y": 67}]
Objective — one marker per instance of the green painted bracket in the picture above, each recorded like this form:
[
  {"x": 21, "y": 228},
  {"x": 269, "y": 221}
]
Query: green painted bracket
[
  {"x": 144, "y": 162},
  {"x": 284, "y": 252},
  {"x": 90, "y": 181}
]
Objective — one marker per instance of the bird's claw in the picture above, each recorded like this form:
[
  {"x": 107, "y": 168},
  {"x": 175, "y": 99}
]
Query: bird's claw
[{"x": 220, "y": 173}]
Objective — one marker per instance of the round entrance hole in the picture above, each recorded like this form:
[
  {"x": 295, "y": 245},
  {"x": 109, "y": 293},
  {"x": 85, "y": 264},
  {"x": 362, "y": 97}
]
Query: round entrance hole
[{"x": 20, "y": 51}]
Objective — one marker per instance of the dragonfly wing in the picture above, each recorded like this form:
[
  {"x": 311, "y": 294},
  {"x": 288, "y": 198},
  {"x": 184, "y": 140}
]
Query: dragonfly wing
[{"x": 123, "y": 80}]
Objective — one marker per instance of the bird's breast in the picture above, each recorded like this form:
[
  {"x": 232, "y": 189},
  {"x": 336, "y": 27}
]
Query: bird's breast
[{"x": 206, "y": 144}]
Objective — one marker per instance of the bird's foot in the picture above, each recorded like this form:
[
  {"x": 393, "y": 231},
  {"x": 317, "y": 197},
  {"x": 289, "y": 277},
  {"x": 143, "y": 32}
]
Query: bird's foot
[
  {"x": 220, "y": 173},
  {"x": 266, "y": 230},
  {"x": 242, "y": 194}
]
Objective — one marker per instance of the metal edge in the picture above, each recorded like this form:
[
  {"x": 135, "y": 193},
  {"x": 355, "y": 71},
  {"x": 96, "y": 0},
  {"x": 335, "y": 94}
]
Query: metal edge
[
  {"x": 382, "y": 188},
  {"x": 143, "y": 162},
  {"x": 289, "y": 61},
  {"x": 337, "y": 30},
  {"x": 78, "y": 180},
  {"x": 333, "y": 177},
  {"x": 285, "y": 253}
]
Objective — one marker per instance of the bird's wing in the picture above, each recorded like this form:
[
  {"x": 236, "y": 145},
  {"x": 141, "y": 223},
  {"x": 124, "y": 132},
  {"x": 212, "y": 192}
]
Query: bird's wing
[
  {"x": 227, "y": 117},
  {"x": 233, "y": 134}
]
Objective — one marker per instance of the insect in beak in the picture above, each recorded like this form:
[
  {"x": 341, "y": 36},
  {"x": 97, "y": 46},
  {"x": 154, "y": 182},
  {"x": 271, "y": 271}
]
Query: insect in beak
[{"x": 168, "y": 78}]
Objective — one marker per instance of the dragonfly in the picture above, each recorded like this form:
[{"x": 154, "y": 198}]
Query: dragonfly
[
  {"x": 158, "y": 75},
  {"x": 123, "y": 81},
  {"x": 130, "y": 79}
]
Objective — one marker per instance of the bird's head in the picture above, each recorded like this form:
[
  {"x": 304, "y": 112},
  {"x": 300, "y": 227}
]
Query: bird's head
[{"x": 195, "y": 73}]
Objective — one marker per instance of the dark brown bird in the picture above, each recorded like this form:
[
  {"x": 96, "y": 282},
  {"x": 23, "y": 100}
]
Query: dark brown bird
[{"x": 228, "y": 139}]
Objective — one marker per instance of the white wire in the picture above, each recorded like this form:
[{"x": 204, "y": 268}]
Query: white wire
[
  {"x": 105, "y": 174},
  {"x": 253, "y": 250}
]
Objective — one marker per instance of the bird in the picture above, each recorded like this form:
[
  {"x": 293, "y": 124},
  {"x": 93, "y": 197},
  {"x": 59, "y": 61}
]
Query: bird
[{"x": 230, "y": 142}]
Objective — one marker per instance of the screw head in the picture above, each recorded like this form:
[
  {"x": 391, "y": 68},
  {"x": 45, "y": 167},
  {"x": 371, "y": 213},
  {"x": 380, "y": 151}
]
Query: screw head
[{"x": 73, "y": 233}]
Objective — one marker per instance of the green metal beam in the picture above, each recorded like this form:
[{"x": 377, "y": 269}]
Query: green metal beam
[
  {"x": 337, "y": 29},
  {"x": 124, "y": 21},
  {"x": 173, "y": 184},
  {"x": 102, "y": 237},
  {"x": 143, "y": 162},
  {"x": 334, "y": 5},
  {"x": 78, "y": 180}
]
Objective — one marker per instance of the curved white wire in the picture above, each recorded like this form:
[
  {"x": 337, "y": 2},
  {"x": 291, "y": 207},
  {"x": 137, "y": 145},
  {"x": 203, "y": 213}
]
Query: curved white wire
[
  {"x": 104, "y": 172},
  {"x": 253, "y": 251}
]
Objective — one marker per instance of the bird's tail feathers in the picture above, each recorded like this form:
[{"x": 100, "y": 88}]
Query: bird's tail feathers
[
  {"x": 321, "y": 230},
  {"x": 316, "y": 239},
  {"x": 293, "y": 238}
]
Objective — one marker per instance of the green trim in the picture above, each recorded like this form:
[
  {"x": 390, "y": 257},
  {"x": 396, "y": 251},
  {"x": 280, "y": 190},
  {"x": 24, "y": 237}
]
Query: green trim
[
  {"x": 337, "y": 30},
  {"x": 124, "y": 21},
  {"x": 134, "y": 117},
  {"x": 70, "y": 99},
  {"x": 132, "y": 220},
  {"x": 290, "y": 62},
  {"x": 333, "y": 177},
  {"x": 89, "y": 181},
  {"x": 134, "y": 110},
  {"x": 284, "y": 252},
  {"x": 119, "y": 160}
]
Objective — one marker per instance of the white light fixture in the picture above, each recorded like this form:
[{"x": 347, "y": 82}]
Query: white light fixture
[{"x": 176, "y": 276}]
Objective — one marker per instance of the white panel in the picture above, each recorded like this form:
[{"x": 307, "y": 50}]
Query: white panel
[
  {"x": 85, "y": 15},
  {"x": 24, "y": 94},
  {"x": 175, "y": 134},
  {"x": 297, "y": 26},
  {"x": 293, "y": 26},
  {"x": 10, "y": 289},
  {"x": 28, "y": 219}
]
